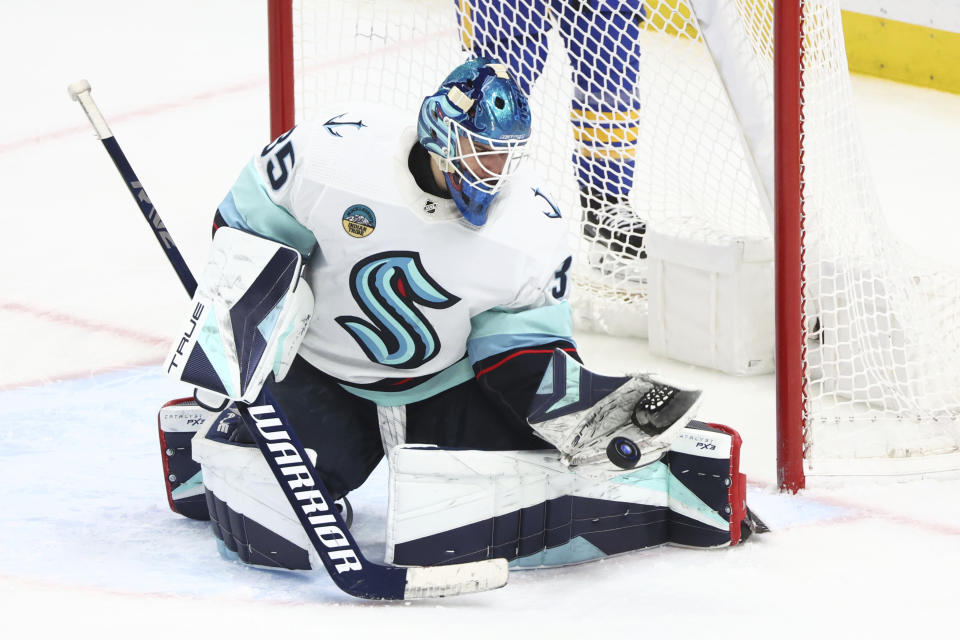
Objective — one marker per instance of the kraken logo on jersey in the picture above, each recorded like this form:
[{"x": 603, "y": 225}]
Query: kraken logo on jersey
[{"x": 388, "y": 286}]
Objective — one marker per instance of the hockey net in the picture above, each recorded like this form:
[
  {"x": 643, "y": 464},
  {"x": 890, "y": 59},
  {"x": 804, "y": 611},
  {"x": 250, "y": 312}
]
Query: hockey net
[{"x": 684, "y": 100}]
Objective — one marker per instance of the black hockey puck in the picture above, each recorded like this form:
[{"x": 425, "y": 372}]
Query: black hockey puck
[{"x": 623, "y": 452}]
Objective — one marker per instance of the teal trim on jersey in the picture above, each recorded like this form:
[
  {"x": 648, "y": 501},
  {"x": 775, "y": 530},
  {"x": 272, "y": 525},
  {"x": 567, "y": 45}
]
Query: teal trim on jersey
[
  {"x": 192, "y": 487},
  {"x": 555, "y": 320},
  {"x": 455, "y": 374},
  {"x": 212, "y": 344},
  {"x": 490, "y": 346},
  {"x": 575, "y": 551},
  {"x": 228, "y": 209},
  {"x": 658, "y": 477},
  {"x": 248, "y": 207}
]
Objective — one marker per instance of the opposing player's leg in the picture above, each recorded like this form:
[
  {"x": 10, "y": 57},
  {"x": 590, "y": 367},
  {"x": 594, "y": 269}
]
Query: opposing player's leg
[
  {"x": 449, "y": 506},
  {"x": 514, "y": 34},
  {"x": 605, "y": 113}
]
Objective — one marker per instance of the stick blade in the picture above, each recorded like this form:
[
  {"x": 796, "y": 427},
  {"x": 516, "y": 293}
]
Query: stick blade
[{"x": 455, "y": 579}]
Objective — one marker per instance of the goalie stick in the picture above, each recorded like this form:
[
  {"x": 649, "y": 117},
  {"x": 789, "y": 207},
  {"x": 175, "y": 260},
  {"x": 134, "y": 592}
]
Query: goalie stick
[{"x": 310, "y": 500}]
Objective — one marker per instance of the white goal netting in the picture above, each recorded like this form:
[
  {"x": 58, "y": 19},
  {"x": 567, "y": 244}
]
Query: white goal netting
[{"x": 648, "y": 112}]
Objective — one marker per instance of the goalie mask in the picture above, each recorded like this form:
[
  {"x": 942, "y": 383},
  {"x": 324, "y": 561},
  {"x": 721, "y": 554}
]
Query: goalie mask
[{"x": 476, "y": 124}]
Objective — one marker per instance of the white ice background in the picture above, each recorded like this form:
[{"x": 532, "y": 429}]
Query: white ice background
[{"x": 88, "y": 305}]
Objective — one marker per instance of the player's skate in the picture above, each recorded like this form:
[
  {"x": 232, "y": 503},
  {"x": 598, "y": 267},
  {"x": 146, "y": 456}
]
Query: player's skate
[
  {"x": 630, "y": 421},
  {"x": 617, "y": 234}
]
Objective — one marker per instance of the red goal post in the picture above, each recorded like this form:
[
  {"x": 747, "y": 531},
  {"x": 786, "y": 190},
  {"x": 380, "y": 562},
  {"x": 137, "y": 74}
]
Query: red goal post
[
  {"x": 280, "y": 28},
  {"x": 788, "y": 242}
]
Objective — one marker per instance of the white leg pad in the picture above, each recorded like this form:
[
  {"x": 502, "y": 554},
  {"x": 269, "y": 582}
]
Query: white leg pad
[
  {"x": 459, "y": 505},
  {"x": 238, "y": 475}
]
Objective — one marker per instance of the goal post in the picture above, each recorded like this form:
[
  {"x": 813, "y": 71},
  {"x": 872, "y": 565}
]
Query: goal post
[
  {"x": 712, "y": 122},
  {"x": 788, "y": 240},
  {"x": 281, "y": 65}
]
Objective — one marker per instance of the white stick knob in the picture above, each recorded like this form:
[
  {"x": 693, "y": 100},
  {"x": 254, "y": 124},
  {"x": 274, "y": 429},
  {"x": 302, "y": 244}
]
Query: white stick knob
[
  {"x": 78, "y": 87},
  {"x": 80, "y": 91}
]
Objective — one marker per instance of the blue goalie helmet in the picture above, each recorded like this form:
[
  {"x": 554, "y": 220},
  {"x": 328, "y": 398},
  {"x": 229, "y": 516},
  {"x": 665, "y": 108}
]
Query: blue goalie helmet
[{"x": 476, "y": 125}]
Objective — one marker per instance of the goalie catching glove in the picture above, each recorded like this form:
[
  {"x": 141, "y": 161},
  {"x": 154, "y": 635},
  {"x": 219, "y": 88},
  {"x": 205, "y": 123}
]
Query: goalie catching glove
[
  {"x": 247, "y": 319},
  {"x": 630, "y": 421}
]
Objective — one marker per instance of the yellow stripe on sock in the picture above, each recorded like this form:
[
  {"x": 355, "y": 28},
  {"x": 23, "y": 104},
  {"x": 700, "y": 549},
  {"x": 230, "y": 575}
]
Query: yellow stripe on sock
[
  {"x": 604, "y": 116},
  {"x": 606, "y": 135},
  {"x": 466, "y": 25}
]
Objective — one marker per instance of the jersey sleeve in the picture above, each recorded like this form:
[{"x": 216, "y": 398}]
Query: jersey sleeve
[
  {"x": 511, "y": 346},
  {"x": 263, "y": 199}
]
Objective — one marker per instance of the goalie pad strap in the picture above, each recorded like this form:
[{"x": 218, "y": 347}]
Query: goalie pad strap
[{"x": 393, "y": 426}]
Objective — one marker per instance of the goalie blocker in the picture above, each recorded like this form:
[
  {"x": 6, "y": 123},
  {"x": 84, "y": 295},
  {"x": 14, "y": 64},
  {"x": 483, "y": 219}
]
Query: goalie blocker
[
  {"x": 452, "y": 506},
  {"x": 247, "y": 318}
]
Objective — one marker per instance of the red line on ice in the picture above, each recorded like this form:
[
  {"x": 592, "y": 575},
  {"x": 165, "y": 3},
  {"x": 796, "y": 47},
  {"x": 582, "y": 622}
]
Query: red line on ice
[
  {"x": 66, "y": 319},
  {"x": 859, "y": 511},
  {"x": 81, "y": 323},
  {"x": 66, "y": 132},
  {"x": 79, "y": 373}
]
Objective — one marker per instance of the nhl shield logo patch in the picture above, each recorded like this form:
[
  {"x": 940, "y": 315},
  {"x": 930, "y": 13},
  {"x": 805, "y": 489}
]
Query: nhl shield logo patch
[{"x": 359, "y": 221}]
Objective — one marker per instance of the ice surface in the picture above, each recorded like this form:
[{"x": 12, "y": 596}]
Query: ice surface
[{"x": 87, "y": 304}]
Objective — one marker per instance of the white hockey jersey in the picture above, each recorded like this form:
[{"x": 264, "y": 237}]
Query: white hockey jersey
[{"x": 402, "y": 282}]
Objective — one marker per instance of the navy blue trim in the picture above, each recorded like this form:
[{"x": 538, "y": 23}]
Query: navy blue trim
[
  {"x": 180, "y": 468},
  {"x": 611, "y": 526},
  {"x": 218, "y": 221},
  {"x": 150, "y": 214},
  {"x": 252, "y": 542},
  {"x": 256, "y": 304},
  {"x": 199, "y": 371},
  {"x": 592, "y": 388},
  {"x": 708, "y": 479}
]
